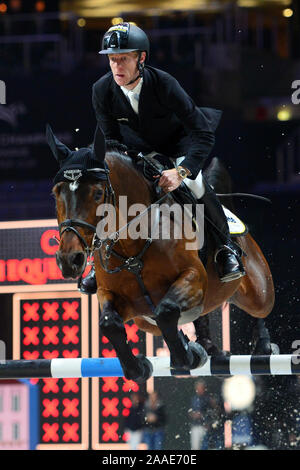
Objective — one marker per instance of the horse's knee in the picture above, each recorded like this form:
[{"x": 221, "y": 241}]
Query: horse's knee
[
  {"x": 167, "y": 312},
  {"x": 111, "y": 322}
]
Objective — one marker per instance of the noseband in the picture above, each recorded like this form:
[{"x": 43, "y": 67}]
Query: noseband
[{"x": 69, "y": 226}]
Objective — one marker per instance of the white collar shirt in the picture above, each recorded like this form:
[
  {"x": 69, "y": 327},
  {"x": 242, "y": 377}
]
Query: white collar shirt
[{"x": 133, "y": 95}]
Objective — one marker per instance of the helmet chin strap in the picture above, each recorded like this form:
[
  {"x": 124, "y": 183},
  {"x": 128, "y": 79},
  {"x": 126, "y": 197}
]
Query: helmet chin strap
[
  {"x": 140, "y": 67},
  {"x": 133, "y": 80}
]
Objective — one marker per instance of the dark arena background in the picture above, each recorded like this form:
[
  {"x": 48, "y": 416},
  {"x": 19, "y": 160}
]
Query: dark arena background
[{"x": 242, "y": 57}]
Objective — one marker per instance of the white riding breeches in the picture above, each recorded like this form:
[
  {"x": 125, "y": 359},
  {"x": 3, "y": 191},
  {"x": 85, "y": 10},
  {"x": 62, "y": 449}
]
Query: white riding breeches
[{"x": 196, "y": 186}]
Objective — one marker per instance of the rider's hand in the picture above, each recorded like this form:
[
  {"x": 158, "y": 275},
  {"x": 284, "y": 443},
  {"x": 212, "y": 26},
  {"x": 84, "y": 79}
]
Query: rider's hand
[{"x": 169, "y": 180}]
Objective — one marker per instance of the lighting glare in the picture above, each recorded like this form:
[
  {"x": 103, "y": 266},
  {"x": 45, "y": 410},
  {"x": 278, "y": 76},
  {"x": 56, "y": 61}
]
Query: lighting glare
[
  {"x": 81, "y": 22},
  {"x": 284, "y": 115},
  {"x": 40, "y": 6},
  {"x": 287, "y": 12},
  {"x": 116, "y": 20},
  {"x": 239, "y": 392},
  {"x": 3, "y": 8}
]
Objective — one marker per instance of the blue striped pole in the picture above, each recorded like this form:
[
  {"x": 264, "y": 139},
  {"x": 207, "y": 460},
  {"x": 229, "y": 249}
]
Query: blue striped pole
[{"x": 282, "y": 364}]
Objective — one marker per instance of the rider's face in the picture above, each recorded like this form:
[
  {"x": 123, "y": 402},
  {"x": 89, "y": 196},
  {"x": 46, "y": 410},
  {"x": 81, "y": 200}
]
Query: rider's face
[{"x": 124, "y": 67}]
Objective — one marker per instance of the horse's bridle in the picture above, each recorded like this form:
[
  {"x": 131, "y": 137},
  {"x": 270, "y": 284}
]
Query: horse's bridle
[{"x": 69, "y": 225}]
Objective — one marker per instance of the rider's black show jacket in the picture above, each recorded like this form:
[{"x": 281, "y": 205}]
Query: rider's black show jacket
[{"x": 168, "y": 121}]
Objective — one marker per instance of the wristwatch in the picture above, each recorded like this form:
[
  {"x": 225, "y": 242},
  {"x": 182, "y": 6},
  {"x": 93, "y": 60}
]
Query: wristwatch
[{"x": 183, "y": 172}]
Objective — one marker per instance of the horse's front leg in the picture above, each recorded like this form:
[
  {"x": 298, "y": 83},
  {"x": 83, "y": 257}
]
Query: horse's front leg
[
  {"x": 137, "y": 368},
  {"x": 185, "y": 293}
]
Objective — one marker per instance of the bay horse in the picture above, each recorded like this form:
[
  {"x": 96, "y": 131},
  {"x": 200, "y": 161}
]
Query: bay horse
[{"x": 157, "y": 283}]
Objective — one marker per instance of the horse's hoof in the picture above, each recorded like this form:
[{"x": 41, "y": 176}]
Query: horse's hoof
[
  {"x": 200, "y": 356},
  {"x": 275, "y": 348},
  {"x": 263, "y": 347},
  {"x": 146, "y": 370}
]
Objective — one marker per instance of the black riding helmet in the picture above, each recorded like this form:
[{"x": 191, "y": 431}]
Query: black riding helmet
[{"x": 125, "y": 37}]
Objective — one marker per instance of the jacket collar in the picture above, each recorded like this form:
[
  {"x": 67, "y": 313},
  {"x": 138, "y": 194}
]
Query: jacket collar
[{"x": 117, "y": 92}]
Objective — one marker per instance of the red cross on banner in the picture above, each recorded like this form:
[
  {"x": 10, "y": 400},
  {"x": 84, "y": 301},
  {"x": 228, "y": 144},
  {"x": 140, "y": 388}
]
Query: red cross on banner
[
  {"x": 50, "y": 408},
  {"x": 110, "y": 432},
  {"x": 71, "y": 432},
  {"x": 70, "y": 334},
  {"x": 110, "y": 407},
  {"x": 70, "y": 385},
  {"x": 131, "y": 331},
  {"x": 50, "y": 354},
  {"x": 31, "y": 312},
  {"x": 70, "y": 310},
  {"x": 130, "y": 386},
  {"x": 71, "y": 407},
  {"x": 50, "y": 311},
  {"x": 127, "y": 405},
  {"x": 109, "y": 353},
  {"x": 50, "y": 386},
  {"x": 110, "y": 383},
  {"x": 50, "y": 432},
  {"x": 50, "y": 335},
  {"x": 70, "y": 354},
  {"x": 31, "y": 335},
  {"x": 31, "y": 355},
  {"x": 127, "y": 402}
]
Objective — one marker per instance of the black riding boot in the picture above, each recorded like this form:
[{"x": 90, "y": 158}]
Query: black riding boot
[
  {"x": 228, "y": 254},
  {"x": 88, "y": 285}
]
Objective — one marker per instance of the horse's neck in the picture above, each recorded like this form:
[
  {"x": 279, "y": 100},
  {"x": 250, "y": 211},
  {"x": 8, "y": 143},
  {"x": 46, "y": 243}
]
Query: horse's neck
[{"x": 130, "y": 189}]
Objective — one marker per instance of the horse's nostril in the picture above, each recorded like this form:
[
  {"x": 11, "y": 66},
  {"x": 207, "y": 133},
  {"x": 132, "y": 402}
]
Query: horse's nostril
[{"x": 78, "y": 259}]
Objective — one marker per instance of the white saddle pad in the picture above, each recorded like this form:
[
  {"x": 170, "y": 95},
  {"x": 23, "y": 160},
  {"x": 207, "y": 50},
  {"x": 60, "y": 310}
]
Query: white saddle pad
[{"x": 236, "y": 226}]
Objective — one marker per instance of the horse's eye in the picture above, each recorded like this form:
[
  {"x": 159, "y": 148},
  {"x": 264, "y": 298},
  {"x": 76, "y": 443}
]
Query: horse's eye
[{"x": 98, "y": 194}]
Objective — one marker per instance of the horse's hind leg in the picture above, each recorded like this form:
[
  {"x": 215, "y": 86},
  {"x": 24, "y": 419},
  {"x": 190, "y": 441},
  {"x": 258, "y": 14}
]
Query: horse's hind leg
[
  {"x": 255, "y": 294},
  {"x": 183, "y": 354},
  {"x": 203, "y": 336},
  {"x": 137, "y": 368}
]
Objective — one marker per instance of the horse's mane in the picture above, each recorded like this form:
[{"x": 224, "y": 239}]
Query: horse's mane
[
  {"x": 117, "y": 151},
  {"x": 114, "y": 145}
]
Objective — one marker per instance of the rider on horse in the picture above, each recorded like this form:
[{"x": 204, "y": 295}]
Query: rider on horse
[{"x": 148, "y": 111}]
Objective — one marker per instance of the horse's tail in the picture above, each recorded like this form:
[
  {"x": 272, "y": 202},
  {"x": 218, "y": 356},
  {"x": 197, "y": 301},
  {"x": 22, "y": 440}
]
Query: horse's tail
[{"x": 219, "y": 178}]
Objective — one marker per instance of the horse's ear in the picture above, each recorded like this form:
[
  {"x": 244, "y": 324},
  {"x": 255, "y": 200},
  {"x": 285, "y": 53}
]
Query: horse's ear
[
  {"x": 99, "y": 144},
  {"x": 59, "y": 150}
]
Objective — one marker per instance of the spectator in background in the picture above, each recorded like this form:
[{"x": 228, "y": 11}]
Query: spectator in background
[
  {"x": 197, "y": 412},
  {"x": 134, "y": 422},
  {"x": 216, "y": 421},
  {"x": 155, "y": 420}
]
